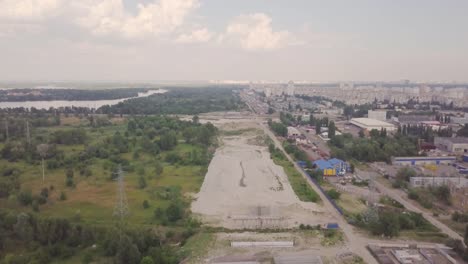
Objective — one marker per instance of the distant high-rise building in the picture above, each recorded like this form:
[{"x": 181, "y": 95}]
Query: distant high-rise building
[{"x": 291, "y": 88}]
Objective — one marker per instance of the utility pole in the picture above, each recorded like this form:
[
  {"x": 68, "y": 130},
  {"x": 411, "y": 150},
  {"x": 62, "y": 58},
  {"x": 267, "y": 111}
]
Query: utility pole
[{"x": 121, "y": 205}]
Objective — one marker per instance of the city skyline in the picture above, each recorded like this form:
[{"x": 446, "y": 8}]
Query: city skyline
[{"x": 198, "y": 40}]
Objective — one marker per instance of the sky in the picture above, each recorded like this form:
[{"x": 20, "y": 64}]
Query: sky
[{"x": 271, "y": 40}]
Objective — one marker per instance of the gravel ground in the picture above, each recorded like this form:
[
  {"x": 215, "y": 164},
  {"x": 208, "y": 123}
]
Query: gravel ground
[{"x": 245, "y": 189}]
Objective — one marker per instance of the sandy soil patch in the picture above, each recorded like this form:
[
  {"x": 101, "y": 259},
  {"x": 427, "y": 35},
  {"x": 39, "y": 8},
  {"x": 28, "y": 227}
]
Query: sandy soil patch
[
  {"x": 245, "y": 189},
  {"x": 305, "y": 243}
]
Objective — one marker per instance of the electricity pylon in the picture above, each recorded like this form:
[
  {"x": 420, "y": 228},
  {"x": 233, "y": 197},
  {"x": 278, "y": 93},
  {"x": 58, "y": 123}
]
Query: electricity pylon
[{"x": 121, "y": 205}]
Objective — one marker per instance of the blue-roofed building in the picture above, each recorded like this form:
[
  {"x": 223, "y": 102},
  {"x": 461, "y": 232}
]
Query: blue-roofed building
[
  {"x": 332, "y": 226},
  {"x": 332, "y": 167}
]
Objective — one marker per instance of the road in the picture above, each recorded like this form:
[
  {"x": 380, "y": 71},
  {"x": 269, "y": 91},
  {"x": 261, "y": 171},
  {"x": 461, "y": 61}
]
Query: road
[
  {"x": 321, "y": 145},
  {"x": 355, "y": 242},
  {"x": 397, "y": 195}
]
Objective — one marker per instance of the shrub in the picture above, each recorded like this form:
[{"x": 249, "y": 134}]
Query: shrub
[
  {"x": 63, "y": 196},
  {"x": 334, "y": 194},
  {"x": 25, "y": 197},
  {"x": 142, "y": 182},
  {"x": 69, "y": 182},
  {"x": 413, "y": 195},
  {"x": 35, "y": 206}
]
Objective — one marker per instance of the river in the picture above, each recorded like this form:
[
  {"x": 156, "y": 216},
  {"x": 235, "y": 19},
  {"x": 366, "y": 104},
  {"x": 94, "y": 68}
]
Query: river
[{"x": 62, "y": 103}]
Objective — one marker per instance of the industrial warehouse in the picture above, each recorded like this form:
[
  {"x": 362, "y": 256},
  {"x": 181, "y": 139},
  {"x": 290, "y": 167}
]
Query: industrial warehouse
[
  {"x": 370, "y": 124},
  {"x": 447, "y": 160}
]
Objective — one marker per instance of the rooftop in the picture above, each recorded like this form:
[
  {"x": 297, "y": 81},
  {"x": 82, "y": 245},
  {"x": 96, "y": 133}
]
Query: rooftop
[
  {"x": 370, "y": 122},
  {"x": 458, "y": 140}
]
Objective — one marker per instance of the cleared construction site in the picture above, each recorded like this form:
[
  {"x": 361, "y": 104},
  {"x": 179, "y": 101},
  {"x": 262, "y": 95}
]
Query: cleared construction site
[{"x": 245, "y": 189}]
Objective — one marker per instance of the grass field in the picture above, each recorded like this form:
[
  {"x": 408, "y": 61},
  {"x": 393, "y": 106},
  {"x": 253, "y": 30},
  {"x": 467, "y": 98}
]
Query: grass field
[
  {"x": 92, "y": 199},
  {"x": 300, "y": 186},
  {"x": 351, "y": 204}
]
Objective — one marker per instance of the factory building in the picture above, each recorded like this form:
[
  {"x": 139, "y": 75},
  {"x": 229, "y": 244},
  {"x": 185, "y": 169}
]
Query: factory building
[
  {"x": 457, "y": 182},
  {"x": 412, "y": 161},
  {"x": 457, "y": 145},
  {"x": 370, "y": 124}
]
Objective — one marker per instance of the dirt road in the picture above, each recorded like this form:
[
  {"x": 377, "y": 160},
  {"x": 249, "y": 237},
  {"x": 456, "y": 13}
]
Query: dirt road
[{"x": 397, "y": 196}]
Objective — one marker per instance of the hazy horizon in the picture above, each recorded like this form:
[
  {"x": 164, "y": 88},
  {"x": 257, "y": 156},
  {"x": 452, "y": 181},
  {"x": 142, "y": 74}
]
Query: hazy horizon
[{"x": 202, "y": 40}]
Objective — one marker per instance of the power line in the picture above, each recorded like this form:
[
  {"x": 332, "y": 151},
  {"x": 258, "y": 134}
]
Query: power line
[{"x": 121, "y": 205}]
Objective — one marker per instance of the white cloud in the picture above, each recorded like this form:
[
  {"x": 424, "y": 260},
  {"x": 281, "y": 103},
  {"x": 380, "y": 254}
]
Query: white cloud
[
  {"x": 110, "y": 17},
  {"x": 196, "y": 36},
  {"x": 255, "y": 32},
  {"x": 28, "y": 9},
  {"x": 104, "y": 17}
]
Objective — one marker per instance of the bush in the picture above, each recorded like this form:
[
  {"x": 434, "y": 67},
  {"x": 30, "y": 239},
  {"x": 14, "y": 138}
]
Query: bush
[
  {"x": 63, "y": 196},
  {"x": 147, "y": 260},
  {"x": 87, "y": 257},
  {"x": 25, "y": 197},
  {"x": 413, "y": 195},
  {"x": 334, "y": 194},
  {"x": 146, "y": 204},
  {"x": 35, "y": 206},
  {"x": 174, "y": 212},
  {"x": 69, "y": 182},
  {"x": 142, "y": 182}
]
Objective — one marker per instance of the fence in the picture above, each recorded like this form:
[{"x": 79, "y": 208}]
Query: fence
[{"x": 322, "y": 190}]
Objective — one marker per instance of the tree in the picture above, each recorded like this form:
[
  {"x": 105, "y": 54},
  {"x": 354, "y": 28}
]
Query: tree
[
  {"x": 23, "y": 228},
  {"x": 463, "y": 132},
  {"x": 388, "y": 224},
  {"x": 147, "y": 260},
  {"x": 63, "y": 196},
  {"x": 174, "y": 212},
  {"x": 466, "y": 235},
  {"x": 334, "y": 194},
  {"x": 42, "y": 149},
  {"x": 361, "y": 133},
  {"x": 348, "y": 111},
  {"x": 141, "y": 182},
  {"x": 404, "y": 174},
  {"x": 145, "y": 204},
  {"x": 168, "y": 141},
  {"x": 331, "y": 129},
  {"x": 127, "y": 252},
  {"x": 158, "y": 168},
  {"x": 311, "y": 120},
  {"x": 35, "y": 206},
  {"x": 318, "y": 127},
  {"x": 195, "y": 119},
  {"x": 25, "y": 197},
  {"x": 374, "y": 133},
  {"x": 443, "y": 193}
]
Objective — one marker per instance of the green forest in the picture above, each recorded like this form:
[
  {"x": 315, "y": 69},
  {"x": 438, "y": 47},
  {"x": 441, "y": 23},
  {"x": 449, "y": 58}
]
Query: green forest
[
  {"x": 180, "y": 100},
  {"x": 58, "y": 179},
  {"x": 21, "y": 95}
]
